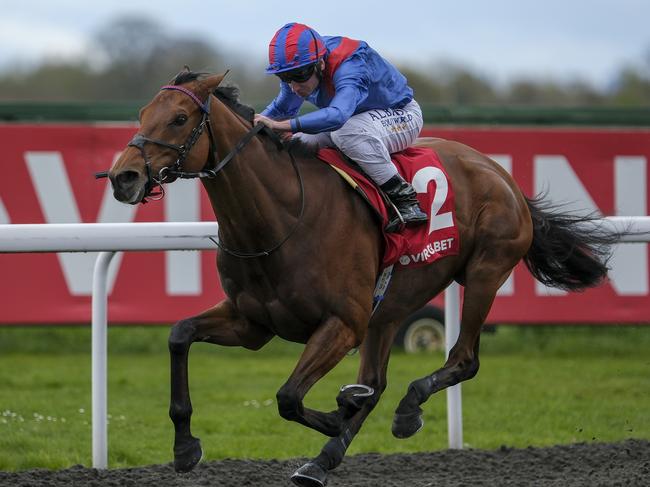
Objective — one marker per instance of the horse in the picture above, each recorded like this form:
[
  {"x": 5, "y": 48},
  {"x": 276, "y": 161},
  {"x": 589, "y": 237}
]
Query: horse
[{"x": 289, "y": 266}]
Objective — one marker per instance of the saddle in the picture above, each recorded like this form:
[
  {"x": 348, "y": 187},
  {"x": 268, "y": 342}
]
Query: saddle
[
  {"x": 411, "y": 246},
  {"x": 353, "y": 169}
]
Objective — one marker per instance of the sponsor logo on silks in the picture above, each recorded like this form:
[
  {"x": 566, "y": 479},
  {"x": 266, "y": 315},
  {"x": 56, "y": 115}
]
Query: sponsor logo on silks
[
  {"x": 394, "y": 119},
  {"x": 427, "y": 252}
]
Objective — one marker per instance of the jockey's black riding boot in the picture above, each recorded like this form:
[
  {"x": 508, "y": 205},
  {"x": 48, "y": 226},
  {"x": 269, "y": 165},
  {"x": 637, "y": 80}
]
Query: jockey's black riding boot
[{"x": 403, "y": 196}]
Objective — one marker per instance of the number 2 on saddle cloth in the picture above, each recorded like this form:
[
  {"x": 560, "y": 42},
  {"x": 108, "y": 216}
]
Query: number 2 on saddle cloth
[{"x": 423, "y": 244}]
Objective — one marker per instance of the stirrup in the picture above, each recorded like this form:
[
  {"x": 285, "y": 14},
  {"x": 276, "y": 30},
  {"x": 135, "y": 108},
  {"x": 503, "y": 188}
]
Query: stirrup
[
  {"x": 417, "y": 219},
  {"x": 396, "y": 223}
]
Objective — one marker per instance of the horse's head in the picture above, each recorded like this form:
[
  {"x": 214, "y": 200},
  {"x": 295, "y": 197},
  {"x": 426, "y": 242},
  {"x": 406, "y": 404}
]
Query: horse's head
[{"x": 175, "y": 136}]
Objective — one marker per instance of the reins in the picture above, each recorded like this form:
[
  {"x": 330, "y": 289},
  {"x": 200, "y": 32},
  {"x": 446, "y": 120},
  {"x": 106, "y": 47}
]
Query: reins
[{"x": 176, "y": 170}]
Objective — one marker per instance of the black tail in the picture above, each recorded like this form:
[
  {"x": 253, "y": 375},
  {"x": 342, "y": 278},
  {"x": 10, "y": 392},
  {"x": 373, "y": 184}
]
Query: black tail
[{"x": 568, "y": 252}]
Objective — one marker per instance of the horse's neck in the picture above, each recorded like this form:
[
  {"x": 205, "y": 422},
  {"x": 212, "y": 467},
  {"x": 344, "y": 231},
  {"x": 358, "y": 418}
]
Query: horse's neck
[{"x": 256, "y": 197}]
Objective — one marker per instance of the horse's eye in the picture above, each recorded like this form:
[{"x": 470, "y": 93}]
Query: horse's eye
[{"x": 180, "y": 120}]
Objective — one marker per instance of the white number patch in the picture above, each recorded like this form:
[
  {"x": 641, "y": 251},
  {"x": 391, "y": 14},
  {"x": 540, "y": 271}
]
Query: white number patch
[{"x": 420, "y": 182}]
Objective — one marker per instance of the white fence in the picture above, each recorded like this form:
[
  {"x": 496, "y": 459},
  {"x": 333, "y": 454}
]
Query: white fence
[
  {"x": 105, "y": 238},
  {"x": 108, "y": 238}
]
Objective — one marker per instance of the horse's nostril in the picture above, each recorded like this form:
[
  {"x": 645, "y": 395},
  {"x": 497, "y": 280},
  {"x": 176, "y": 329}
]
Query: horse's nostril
[{"x": 127, "y": 177}]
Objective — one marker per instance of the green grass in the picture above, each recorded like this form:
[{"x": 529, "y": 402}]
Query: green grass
[{"x": 537, "y": 386}]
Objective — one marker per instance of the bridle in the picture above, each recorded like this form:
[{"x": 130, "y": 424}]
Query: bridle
[{"x": 176, "y": 170}]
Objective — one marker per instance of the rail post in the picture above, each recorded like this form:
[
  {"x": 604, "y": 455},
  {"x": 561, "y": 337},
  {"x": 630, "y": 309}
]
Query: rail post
[
  {"x": 99, "y": 360},
  {"x": 454, "y": 397}
]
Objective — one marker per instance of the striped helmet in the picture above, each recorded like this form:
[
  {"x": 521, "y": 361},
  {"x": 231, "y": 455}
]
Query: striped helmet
[{"x": 294, "y": 46}]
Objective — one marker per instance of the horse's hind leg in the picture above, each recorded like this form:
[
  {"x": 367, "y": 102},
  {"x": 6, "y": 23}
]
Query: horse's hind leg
[
  {"x": 483, "y": 281},
  {"x": 220, "y": 325},
  {"x": 372, "y": 373}
]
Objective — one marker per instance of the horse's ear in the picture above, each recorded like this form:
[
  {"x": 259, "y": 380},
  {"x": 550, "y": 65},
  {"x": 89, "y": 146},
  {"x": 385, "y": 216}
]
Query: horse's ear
[{"x": 211, "y": 82}]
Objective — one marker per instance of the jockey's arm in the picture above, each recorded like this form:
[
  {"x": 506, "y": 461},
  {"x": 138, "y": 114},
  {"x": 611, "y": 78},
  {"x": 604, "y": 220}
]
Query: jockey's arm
[
  {"x": 332, "y": 117},
  {"x": 277, "y": 125},
  {"x": 326, "y": 119},
  {"x": 277, "y": 114},
  {"x": 285, "y": 105}
]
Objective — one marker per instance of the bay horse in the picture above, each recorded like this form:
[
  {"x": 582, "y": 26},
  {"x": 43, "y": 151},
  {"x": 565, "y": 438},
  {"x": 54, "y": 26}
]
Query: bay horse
[{"x": 299, "y": 255}]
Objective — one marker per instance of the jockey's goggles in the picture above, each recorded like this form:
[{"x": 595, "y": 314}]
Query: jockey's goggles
[{"x": 299, "y": 75}]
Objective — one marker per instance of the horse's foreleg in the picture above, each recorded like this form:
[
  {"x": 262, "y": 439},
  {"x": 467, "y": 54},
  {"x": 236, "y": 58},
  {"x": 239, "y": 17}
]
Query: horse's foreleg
[
  {"x": 462, "y": 363},
  {"x": 372, "y": 373},
  {"x": 220, "y": 325},
  {"x": 325, "y": 348}
]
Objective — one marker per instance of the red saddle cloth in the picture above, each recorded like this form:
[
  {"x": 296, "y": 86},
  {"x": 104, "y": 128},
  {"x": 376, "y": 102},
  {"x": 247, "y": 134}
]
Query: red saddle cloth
[{"x": 425, "y": 243}]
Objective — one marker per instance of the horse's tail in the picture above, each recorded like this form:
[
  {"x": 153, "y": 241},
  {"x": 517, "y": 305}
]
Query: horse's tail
[{"x": 569, "y": 252}]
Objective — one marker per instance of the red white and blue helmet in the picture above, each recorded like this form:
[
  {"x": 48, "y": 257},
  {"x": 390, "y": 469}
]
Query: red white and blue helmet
[{"x": 294, "y": 46}]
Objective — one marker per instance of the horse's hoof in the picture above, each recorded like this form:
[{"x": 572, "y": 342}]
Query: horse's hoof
[
  {"x": 310, "y": 475},
  {"x": 187, "y": 456},
  {"x": 406, "y": 425}
]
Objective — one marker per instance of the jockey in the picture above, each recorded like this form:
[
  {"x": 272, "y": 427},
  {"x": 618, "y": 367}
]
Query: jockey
[{"x": 366, "y": 107}]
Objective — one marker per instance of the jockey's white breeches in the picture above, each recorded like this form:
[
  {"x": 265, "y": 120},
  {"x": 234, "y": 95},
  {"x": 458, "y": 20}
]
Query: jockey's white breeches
[{"x": 369, "y": 138}]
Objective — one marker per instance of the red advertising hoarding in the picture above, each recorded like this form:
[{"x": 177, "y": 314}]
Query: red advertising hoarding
[{"x": 48, "y": 178}]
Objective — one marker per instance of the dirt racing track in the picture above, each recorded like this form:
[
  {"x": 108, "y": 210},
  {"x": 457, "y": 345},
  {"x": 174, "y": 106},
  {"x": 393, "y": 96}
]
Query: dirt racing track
[{"x": 594, "y": 464}]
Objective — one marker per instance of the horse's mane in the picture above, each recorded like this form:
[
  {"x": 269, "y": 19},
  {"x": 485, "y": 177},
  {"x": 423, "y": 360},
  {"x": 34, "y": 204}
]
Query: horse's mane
[
  {"x": 227, "y": 94},
  {"x": 230, "y": 96}
]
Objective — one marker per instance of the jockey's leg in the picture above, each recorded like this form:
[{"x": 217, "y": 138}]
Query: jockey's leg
[
  {"x": 404, "y": 197},
  {"x": 369, "y": 138}
]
